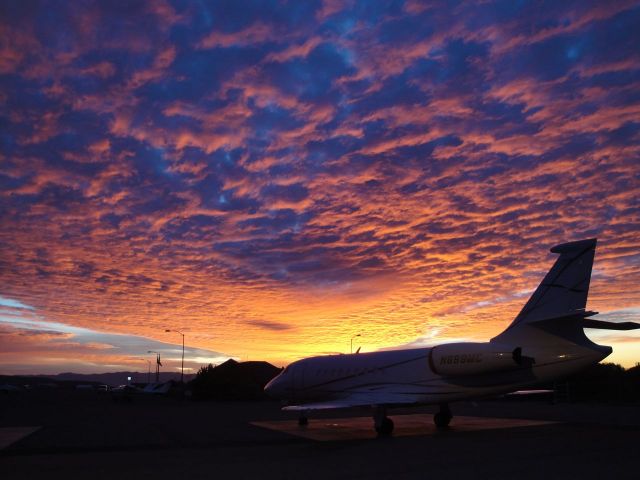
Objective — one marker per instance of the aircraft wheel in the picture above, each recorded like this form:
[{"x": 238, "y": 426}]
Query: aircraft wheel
[
  {"x": 441, "y": 420},
  {"x": 385, "y": 427}
]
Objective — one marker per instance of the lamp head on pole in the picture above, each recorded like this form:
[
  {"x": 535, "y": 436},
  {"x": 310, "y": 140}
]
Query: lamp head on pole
[{"x": 176, "y": 331}]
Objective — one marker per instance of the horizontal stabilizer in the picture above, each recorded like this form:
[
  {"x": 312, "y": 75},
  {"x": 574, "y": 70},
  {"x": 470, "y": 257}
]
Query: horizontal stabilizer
[{"x": 602, "y": 325}]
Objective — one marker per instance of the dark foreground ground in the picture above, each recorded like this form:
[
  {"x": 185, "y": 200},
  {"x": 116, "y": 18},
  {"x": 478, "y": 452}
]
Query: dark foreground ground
[{"x": 87, "y": 435}]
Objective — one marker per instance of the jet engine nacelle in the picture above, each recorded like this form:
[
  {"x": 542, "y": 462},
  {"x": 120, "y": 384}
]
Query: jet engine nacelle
[{"x": 471, "y": 358}]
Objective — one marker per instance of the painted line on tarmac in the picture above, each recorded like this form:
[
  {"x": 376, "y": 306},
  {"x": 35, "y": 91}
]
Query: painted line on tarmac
[
  {"x": 10, "y": 435},
  {"x": 361, "y": 428}
]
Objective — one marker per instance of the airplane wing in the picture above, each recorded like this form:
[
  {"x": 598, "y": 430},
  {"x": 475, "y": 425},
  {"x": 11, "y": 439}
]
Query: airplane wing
[
  {"x": 529, "y": 392},
  {"x": 359, "y": 400}
]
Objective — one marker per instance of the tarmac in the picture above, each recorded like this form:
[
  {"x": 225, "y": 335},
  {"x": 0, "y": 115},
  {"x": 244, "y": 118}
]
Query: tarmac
[
  {"x": 360, "y": 428},
  {"x": 73, "y": 434}
]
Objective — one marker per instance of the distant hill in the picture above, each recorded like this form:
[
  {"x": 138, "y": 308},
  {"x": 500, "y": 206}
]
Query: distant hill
[
  {"x": 23, "y": 380},
  {"x": 120, "y": 378},
  {"x": 112, "y": 378}
]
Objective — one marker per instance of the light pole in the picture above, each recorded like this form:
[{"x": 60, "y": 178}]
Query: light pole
[
  {"x": 182, "y": 371},
  {"x": 157, "y": 364},
  {"x": 352, "y": 341}
]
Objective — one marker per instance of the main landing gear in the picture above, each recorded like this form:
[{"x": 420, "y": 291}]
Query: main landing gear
[
  {"x": 443, "y": 417},
  {"x": 303, "y": 420},
  {"x": 382, "y": 423}
]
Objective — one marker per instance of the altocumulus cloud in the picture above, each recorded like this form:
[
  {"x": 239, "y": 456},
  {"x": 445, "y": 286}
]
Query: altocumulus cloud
[{"x": 169, "y": 165}]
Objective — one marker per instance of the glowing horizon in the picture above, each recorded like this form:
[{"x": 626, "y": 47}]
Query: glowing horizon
[{"x": 273, "y": 179}]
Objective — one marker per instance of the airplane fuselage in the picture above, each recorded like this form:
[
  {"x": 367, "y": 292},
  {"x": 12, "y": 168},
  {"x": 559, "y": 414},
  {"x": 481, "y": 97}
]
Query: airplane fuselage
[{"x": 427, "y": 376}]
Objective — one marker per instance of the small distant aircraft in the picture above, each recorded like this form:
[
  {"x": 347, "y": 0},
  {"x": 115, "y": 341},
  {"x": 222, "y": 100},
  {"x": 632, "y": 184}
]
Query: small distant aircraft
[{"x": 546, "y": 341}]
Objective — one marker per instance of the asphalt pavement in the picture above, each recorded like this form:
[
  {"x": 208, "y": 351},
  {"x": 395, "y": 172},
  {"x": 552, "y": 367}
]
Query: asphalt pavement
[{"x": 74, "y": 434}]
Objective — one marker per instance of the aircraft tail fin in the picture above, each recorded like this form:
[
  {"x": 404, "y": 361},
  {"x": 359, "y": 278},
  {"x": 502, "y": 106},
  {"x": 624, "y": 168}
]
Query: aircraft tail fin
[
  {"x": 561, "y": 298},
  {"x": 564, "y": 289}
]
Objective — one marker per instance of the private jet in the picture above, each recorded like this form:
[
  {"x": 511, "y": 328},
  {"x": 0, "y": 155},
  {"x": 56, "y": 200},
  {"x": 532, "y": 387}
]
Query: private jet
[{"x": 545, "y": 342}]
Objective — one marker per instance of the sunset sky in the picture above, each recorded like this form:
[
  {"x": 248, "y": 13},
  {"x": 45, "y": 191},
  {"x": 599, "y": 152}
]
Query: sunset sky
[{"x": 273, "y": 178}]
